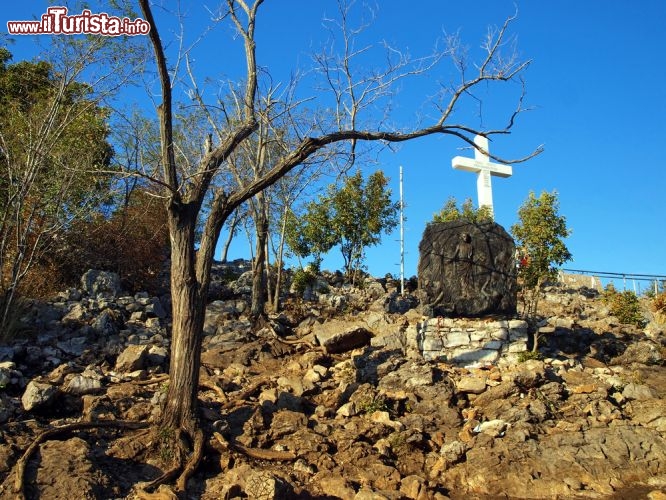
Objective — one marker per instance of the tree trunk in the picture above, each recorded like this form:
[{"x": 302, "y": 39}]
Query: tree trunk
[
  {"x": 269, "y": 275},
  {"x": 258, "y": 283},
  {"x": 188, "y": 309},
  {"x": 232, "y": 233},
  {"x": 278, "y": 264}
]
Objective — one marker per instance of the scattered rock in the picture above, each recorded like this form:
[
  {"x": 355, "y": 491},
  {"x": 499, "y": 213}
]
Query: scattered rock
[
  {"x": 38, "y": 395},
  {"x": 101, "y": 283},
  {"x": 80, "y": 385},
  {"x": 639, "y": 392},
  {"x": 453, "y": 452},
  {"x": 642, "y": 352},
  {"x": 132, "y": 358},
  {"x": 493, "y": 428},
  {"x": 339, "y": 336},
  {"x": 471, "y": 385},
  {"x": 264, "y": 485},
  {"x": 396, "y": 303}
]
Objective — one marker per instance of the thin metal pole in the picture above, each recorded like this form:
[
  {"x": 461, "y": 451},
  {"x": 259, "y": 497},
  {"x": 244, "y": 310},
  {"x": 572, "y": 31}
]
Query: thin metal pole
[{"x": 402, "y": 239}]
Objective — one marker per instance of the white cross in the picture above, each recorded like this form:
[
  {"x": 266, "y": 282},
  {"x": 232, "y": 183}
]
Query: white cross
[{"x": 484, "y": 169}]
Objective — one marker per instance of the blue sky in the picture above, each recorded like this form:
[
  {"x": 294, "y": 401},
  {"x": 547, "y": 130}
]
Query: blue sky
[{"x": 596, "y": 85}]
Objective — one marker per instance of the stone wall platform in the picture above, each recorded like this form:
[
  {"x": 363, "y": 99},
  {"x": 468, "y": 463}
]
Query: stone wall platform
[{"x": 463, "y": 341}]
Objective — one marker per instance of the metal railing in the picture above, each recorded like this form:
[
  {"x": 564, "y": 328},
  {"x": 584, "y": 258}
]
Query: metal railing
[{"x": 654, "y": 279}]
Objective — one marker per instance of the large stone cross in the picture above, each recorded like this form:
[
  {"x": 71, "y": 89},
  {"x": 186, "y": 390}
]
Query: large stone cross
[{"x": 484, "y": 169}]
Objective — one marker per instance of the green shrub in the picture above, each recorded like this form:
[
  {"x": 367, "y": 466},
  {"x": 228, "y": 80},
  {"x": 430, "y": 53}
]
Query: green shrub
[
  {"x": 378, "y": 403},
  {"x": 528, "y": 355},
  {"x": 659, "y": 303},
  {"x": 302, "y": 279},
  {"x": 451, "y": 212},
  {"x": 625, "y": 306}
]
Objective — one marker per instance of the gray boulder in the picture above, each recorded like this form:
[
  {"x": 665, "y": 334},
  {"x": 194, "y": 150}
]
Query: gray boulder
[
  {"x": 81, "y": 385},
  {"x": 38, "y": 395},
  {"x": 132, "y": 358},
  {"x": 400, "y": 304},
  {"x": 340, "y": 336},
  {"x": 104, "y": 283}
]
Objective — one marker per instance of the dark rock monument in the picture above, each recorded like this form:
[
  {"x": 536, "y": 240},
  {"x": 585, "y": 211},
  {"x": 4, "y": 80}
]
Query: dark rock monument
[{"x": 467, "y": 269}]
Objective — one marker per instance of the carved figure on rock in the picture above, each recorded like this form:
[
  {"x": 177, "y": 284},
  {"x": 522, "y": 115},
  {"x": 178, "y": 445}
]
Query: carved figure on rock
[
  {"x": 464, "y": 264},
  {"x": 467, "y": 269}
]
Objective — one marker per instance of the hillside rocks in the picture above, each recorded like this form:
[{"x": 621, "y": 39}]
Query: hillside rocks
[{"x": 363, "y": 404}]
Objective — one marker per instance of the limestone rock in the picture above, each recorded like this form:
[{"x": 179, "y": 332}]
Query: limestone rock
[
  {"x": 471, "y": 385},
  {"x": 77, "y": 314},
  {"x": 493, "y": 428},
  {"x": 38, "y": 395},
  {"x": 399, "y": 304},
  {"x": 413, "y": 487},
  {"x": 132, "y": 358},
  {"x": 74, "y": 346},
  {"x": 649, "y": 413},
  {"x": 104, "y": 283},
  {"x": 647, "y": 353},
  {"x": 339, "y": 336},
  {"x": 639, "y": 392},
  {"x": 4, "y": 377},
  {"x": 453, "y": 452},
  {"x": 81, "y": 385},
  {"x": 155, "y": 309},
  {"x": 467, "y": 269},
  {"x": 104, "y": 324},
  {"x": 264, "y": 485},
  {"x": 334, "y": 485},
  {"x": 157, "y": 355}
]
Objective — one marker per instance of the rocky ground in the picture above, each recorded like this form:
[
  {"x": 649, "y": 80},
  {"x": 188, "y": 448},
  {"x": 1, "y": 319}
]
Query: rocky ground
[{"x": 362, "y": 418}]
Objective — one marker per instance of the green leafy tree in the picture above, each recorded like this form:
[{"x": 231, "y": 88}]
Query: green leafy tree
[
  {"x": 353, "y": 216},
  {"x": 360, "y": 214},
  {"x": 311, "y": 233},
  {"x": 451, "y": 212},
  {"x": 539, "y": 239}
]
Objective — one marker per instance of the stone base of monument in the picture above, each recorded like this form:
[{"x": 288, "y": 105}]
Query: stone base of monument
[{"x": 463, "y": 342}]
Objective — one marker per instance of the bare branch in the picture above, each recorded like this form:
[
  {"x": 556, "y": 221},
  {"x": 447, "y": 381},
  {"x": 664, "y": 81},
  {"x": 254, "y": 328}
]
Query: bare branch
[{"x": 165, "y": 109}]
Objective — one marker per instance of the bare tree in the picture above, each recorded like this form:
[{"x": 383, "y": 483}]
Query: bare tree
[
  {"x": 288, "y": 189},
  {"x": 232, "y": 228},
  {"x": 190, "y": 269},
  {"x": 53, "y": 149}
]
